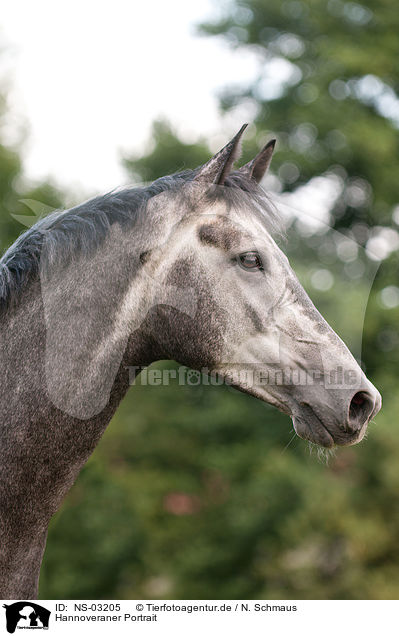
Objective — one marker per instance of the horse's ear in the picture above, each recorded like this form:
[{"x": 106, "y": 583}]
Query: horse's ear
[
  {"x": 257, "y": 168},
  {"x": 217, "y": 169}
]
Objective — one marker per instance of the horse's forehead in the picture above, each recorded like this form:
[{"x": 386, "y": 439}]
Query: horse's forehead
[
  {"x": 175, "y": 212},
  {"x": 245, "y": 219}
]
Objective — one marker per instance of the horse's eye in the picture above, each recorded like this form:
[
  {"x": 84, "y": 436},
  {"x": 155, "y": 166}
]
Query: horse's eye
[{"x": 250, "y": 261}]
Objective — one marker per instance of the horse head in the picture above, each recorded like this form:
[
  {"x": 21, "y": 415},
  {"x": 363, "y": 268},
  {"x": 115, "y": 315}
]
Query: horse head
[{"x": 252, "y": 322}]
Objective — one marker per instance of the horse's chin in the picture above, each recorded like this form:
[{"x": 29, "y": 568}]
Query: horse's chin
[{"x": 317, "y": 433}]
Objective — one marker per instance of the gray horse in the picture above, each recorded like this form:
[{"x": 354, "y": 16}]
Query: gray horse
[{"x": 184, "y": 269}]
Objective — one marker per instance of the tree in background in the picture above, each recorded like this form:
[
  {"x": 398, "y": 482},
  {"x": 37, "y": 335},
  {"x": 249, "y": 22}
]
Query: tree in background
[
  {"x": 168, "y": 154},
  {"x": 328, "y": 88},
  {"x": 21, "y": 203}
]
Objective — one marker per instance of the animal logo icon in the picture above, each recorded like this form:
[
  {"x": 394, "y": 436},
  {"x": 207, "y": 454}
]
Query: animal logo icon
[{"x": 26, "y": 615}]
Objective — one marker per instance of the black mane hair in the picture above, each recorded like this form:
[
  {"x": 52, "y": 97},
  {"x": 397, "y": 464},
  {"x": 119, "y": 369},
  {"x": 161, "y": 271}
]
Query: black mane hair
[{"x": 84, "y": 227}]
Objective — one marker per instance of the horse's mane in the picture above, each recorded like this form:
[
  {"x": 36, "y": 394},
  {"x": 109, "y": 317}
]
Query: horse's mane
[{"x": 84, "y": 227}]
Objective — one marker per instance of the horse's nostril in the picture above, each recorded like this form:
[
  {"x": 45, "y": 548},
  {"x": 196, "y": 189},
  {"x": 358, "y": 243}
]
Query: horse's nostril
[{"x": 360, "y": 409}]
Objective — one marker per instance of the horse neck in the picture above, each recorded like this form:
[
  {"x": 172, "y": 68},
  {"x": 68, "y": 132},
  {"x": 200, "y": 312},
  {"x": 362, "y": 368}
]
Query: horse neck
[{"x": 42, "y": 445}]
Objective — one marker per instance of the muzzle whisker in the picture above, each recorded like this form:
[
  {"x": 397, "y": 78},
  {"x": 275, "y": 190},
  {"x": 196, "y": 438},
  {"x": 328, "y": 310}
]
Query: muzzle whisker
[{"x": 294, "y": 435}]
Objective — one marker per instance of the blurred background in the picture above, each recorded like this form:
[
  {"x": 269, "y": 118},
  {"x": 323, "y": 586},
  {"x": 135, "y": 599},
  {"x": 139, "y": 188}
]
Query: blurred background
[{"x": 199, "y": 491}]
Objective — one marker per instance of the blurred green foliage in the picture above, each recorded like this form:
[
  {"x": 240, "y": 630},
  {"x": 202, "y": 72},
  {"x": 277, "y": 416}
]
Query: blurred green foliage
[
  {"x": 328, "y": 88},
  {"x": 16, "y": 191},
  {"x": 168, "y": 154},
  {"x": 204, "y": 492},
  {"x": 193, "y": 493}
]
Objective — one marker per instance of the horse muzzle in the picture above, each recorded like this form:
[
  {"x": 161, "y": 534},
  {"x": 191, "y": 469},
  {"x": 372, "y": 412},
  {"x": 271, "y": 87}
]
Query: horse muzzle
[{"x": 340, "y": 420}]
